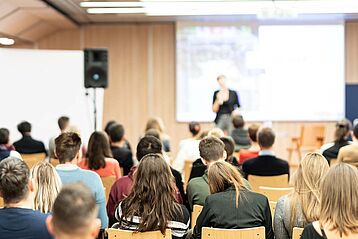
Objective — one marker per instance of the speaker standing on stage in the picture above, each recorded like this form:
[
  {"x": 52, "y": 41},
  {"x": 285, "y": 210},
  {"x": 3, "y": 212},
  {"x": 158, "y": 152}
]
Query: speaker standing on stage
[{"x": 225, "y": 101}]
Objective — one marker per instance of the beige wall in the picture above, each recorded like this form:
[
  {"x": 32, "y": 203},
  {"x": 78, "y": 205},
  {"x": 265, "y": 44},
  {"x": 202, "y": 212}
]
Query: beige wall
[{"x": 142, "y": 75}]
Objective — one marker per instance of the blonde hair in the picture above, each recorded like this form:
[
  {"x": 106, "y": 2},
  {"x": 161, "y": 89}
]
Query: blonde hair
[
  {"x": 216, "y": 132},
  {"x": 47, "y": 184},
  {"x": 155, "y": 123},
  {"x": 222, "y": 175},
  {"x": 307, "y": 185},
  {"x": 339, "y": 199}
]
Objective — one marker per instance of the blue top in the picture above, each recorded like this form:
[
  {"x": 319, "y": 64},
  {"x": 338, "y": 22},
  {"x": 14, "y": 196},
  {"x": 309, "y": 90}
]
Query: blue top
[
  {"x": 70, "y": 173},
  {"x": 23, "y": 223}
]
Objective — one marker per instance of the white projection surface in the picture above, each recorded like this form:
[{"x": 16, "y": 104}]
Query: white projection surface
[
  {"x": 40, "y": 86},
  {"x": 281, "y": 72}
]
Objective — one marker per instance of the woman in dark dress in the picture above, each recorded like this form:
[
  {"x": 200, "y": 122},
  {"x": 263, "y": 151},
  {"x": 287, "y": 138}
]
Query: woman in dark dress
[{"x": 339, "y": 206}]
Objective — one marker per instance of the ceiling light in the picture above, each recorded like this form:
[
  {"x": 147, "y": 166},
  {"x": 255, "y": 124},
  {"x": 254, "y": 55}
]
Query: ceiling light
[
  {"x": 6, "y": 41},
  {"x": 130, "y": 10},
  {"x": 111, "y": 4}
]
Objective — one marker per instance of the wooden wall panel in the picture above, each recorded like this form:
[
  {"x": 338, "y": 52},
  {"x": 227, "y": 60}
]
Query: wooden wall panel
[
  {"x": 142, "y": 76},
  {"x": 351, "y": 40}
]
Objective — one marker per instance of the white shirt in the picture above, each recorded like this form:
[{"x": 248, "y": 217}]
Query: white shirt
[{"x": 188, "y": 150}]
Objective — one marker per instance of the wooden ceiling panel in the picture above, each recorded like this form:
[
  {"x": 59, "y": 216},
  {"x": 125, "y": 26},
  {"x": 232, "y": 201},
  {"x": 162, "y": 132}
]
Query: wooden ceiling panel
[
  {"x": 39, "y": 30},
  {"x": 50, "y": 15},
  {"x": 28, "y": 3},
  {"x": 17, "y": 22},
  {"x": 6, "y": 8}
]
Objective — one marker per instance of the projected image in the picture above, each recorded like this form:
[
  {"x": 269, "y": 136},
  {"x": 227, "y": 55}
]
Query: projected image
[{"x": 279, "y": 72}]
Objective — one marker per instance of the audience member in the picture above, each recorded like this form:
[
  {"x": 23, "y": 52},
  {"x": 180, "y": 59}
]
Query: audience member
[
  {"x": 339, "y": 206},
  {"x": 188, "y": 148},
  {"x": 349, "y": 154},
  {"x": 107, "y": 129},
  {"x": 119, "y": 149},
  {"x": 6, "y": 149},
  {"x": 47, "y": 184},
  {"x": 330, "y": 150},
  {"x": 99, "y": 157},
  {"x": 231, "y": 205},
  {"x": 151, "y": 204},
  {"x": 122, "y": 187},
  {"x": 254, "y": 150},
  {"x": 157, "y": 123},
  {"x": 266, "y": 164},
  {"x": 74, "y": 214},
  {"x": 28, "y": 145},
  {"x": 63, "y": 123},
  {"x": 216, "y": 132},
  {"x": 68, "y": 151},
  {"x": 17, "y": 218},
  {"x": 302, "y": 205},
  {"x": 239, "y": 133}
]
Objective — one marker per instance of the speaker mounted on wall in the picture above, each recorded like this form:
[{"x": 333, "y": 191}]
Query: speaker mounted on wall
[{"x": 96, "y": 68}]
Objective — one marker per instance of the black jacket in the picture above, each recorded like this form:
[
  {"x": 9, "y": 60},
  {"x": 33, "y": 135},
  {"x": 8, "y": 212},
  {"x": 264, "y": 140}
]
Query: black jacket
[
  {"x": 220, "y": 212},
  {"x": 28, "y": 145},
  {"x": 265, "y": 165}
]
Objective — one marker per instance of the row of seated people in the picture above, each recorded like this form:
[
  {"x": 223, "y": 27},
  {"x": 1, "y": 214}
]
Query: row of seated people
[{"x": 69, "y": 153}]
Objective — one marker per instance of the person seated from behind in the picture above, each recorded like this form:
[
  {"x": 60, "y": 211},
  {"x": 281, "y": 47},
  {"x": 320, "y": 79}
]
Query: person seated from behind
[
  {"x": 63, "y": 124},
  {"x": 107, "y": 129},
  {"x": 68, "y": 151},
  {"x": 151, "y": 204},
  {"x": 239, "y": 134},
  {"x": 6, "y": 149},
  {"x": 266, "y": 164},
  {"x": 301, "y": 206},
  {"x": 254, "y": 149},
  {"x": 119, "y": 148},
  {"x": 158, "y": 124},
  {"x": 231, "y": 205},
  {"x": 28, "y": 145},
  {"x": 48, "y": 185},
  {"x": 188, "y": 148},
  {"x": 99, "y": 157},
  {"x": 74, "y": 214},
  {"x": 349, "y": 154},
  {"x": 122, "y": 187},
  {"x": 338, "y": 217},
  {"x": 341, "y": 134},
  {"x": 199, "y": 167},
  {"x": 17, "y": 218},
  {"x": 212, "y": 149},
  {"x": 230, "y": 149}
]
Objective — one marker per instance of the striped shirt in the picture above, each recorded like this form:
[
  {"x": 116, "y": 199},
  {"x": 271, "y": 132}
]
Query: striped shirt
[{"x": 179, "y": 225}]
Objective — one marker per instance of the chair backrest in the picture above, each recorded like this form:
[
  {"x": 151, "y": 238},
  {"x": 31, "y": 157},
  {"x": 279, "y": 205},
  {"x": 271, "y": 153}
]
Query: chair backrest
[
  {"x": 273, "y": 194},
  {"x": 247, "y": 233},
  {"x": 187, "y": 170},
  {"x": 32, "y": 159},
  {"x": 297, "y": 232},
  {"x": 54, "y": 162},
  {"x": 312, "y": 135},
  {"x": 280, "y": 181},
  {"x": 196, "y": 212},
  {"x": 125, "y": 234},
  {"x": 107, "y": 184},
  {"x": 1, "y": 202}
]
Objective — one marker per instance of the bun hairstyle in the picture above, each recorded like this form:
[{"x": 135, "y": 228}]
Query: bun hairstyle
[{"x": 342, "y": 129}]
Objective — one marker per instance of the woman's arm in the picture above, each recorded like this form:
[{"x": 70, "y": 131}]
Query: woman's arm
[
  {"x": 279, "y": 226},
  {"x": 203, "y": 220}
]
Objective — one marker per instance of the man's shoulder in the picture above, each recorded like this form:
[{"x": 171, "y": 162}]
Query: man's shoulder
[{"x": 197, "y": 181}]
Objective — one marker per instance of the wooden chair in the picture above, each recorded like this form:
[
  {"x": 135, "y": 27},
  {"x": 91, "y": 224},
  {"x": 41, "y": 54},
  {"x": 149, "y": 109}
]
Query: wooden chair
[
  {"x": 297, "y": 232},
  {"x": 247, "y": 233},
  {"x": 187, "y": 170},
  {"x": 272, "y": 208},
  {"x": 107, "y": 184},
  {"x": 1, "y": 202},
  {"x": 54, "y": 162},
  {"x": 280, "y": 181},
  {"x": 124, "y": 234},
  {"x": 273, "y": 194},
  {"x": 311, "y": 138},
  {"x": 32, "y": 159},
  {"x": 195, "y": 214}
]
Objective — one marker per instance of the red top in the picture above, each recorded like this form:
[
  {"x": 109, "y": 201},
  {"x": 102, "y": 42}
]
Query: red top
[
  {"x": 246, "y": 154},
  {"x": 112, "y": 168}
]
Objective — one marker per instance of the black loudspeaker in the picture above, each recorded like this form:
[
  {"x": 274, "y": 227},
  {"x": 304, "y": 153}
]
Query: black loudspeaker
[{"x": 96, "y": 68}]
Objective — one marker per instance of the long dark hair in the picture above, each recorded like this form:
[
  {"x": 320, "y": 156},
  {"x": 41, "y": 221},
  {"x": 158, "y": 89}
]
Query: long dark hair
[
  {"x": 152, "y": 196},
  {"x": 98, "y": 150}
]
